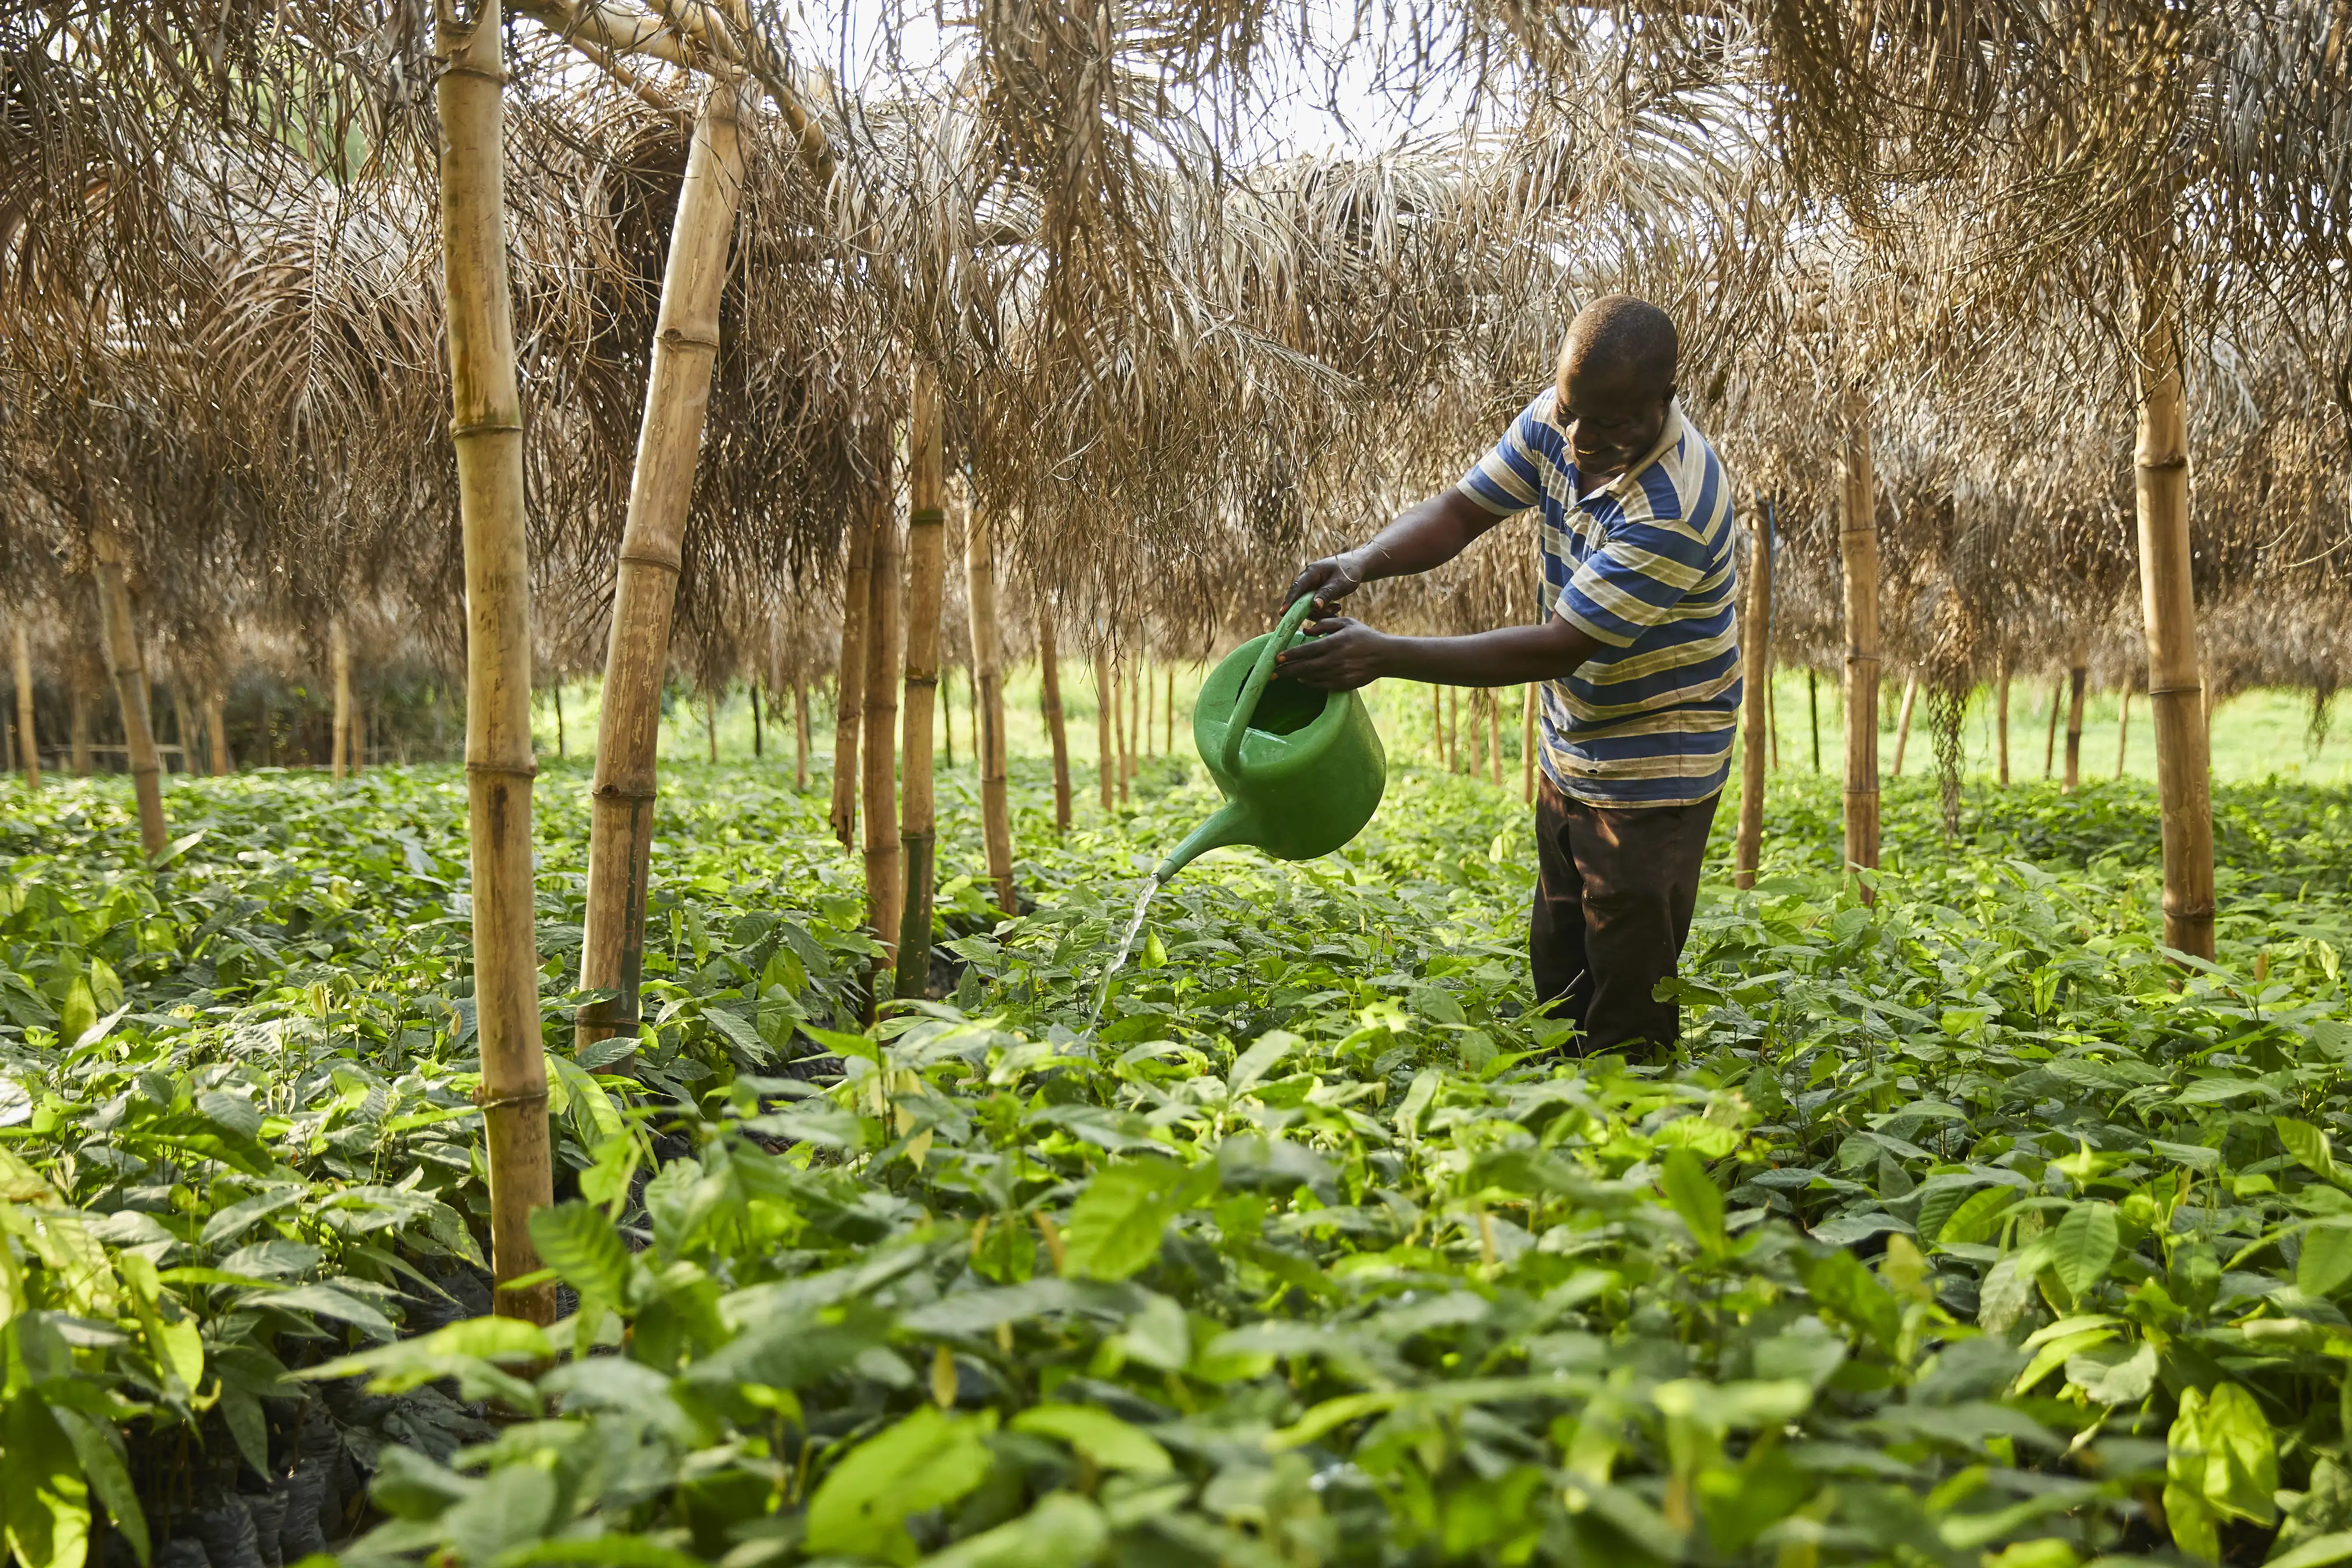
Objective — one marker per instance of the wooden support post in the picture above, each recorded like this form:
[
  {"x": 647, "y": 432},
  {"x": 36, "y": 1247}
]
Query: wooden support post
[
  {"x": 555, "y": 699},
  {"x": 2077, "y": 676},
  {"x": 2176, "y": 685},
  {"x": 849, "y": 677},
  {"x": 338, "y": 657},
  {"x": 1756, "y": 669},
  {"x": 878, "y": 761},
  {"x": 2123, "y": 733},
  {"x": 988, "y": 693},
  {"x": 1903, "y": 722},
  {"x": 711, "y": 722},
  {"x": 1105, "y": 721},
  {"x": 487, "y": 425},
  {"x": 1122, "y": 702},
  {"x": 1437, "y": 723},
  {"x": 78, "y": 719},
  {"x": 2050, "y": 741},
  {"x": 1813, "y": 711},
  {"x": 28, "y": 744},
  {"x": 800, "y": 735},
  {"x": 758, "y": 741},
  {"x": 1528, "y": 701},
  {"x": 2001, "y": 711},
  {"x": 216, "y": 733},
  {"x": 1167, "y": 713},
  {"x": 1494, "y": 737},
  {"x": 119, "y": 641},
  {"x": 1452, "y": 730},
  {"x": 1858, "y": 549},
  {"x": 645, "y": 588},
  {"x": 926, "y": 583},
  {"x": 1049, "y": 702}
]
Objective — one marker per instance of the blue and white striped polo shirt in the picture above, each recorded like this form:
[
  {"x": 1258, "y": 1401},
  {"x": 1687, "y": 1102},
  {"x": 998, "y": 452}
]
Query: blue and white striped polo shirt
[{"x": 1644, "y": 564}]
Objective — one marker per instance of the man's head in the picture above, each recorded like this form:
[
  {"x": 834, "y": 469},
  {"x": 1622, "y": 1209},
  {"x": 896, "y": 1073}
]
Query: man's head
[{"x": 1616, "y": 381}]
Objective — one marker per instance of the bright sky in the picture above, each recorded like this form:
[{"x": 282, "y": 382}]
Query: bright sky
[{"x": 1333, "y": 103}]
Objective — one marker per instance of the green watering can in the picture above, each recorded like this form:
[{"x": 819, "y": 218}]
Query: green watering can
[{"x": 1302, "y": 769}]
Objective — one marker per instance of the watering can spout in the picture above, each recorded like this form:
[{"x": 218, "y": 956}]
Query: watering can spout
[{"x": 1229, "y": 825}]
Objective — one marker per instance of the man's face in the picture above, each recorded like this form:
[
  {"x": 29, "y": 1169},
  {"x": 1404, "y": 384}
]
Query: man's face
[{"x": 1613, "y": 415}]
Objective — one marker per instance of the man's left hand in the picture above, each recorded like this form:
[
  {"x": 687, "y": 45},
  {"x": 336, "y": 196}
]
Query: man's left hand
[{"x": 1343, "y": 655}]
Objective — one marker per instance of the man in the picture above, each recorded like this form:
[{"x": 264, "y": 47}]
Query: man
[{"x": 1638, "y": 654}]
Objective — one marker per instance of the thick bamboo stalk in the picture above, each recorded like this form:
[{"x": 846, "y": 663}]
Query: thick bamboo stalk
[
  {"x": 1858, "y": 550},
  {"x": 2050, "y": 741},
  {"x": 1528, "y": 701},
  {"x": 926, "y": 589},
  {"x": 217, "y": 734},
  {"x": 339, "y": 658},
  {"x": 119, "y": 641},
  {"x": 1814, "y": 712},
  {"x": 849, "y": 678},
  {"x": 2077, "y": 676},
  {"x": 1049, "y": 699},
  {"x": 2123, "y": 733},
  {"x": 2001, "y": 711},
  {"x": 800, "y": 736},
  {"x": 28, "y": 744},
  {"x": 878, "y": 764},
  {"x": 1756, "y": 671},
  {"x": 1107, "y": 748},
  {"x": 988, "y": 691},
  {"x": 2176, "y": 685},
  {"x": 77, "y": 720},
  {"x": 1903, "y": 722},
  {"x": 487, "y": 429},
  {"x": 645, "y": 586},
  {"x": 1494, "y": 737}
]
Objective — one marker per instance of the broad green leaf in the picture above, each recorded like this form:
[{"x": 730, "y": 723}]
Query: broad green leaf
[
  {"x": 1975, "y": 1219},
  {"x": 2083, "y": 1246},
  {"x": 1842, "y": 1287},
  {"x": 1118, "y": 1222},
  {"x": 43, "y": 1500},
  {"x": 1102, "y": 1436},
  {"x": 2325, "y": 1262},
  {"x": 1063, "y": 1531},
  {"x": 581, "y": 1243},
  {"x": 925, "y": 1461},
  {"x": 1695, "y": 1198}
]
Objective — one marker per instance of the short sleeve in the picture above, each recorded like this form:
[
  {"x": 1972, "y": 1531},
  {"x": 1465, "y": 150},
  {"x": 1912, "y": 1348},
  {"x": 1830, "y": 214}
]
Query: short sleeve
[
  {"x": 1507, "y": 479},
  {"x": 1642, "y": 573}
]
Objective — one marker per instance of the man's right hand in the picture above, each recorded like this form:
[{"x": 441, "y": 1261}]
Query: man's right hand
[{"x": 1330, "y": 580}]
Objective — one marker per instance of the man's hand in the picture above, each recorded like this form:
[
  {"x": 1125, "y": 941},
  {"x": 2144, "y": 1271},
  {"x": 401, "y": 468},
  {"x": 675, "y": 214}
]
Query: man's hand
[
  {"x": 1330, "y": 580},
  {"x": 1343, "y": 656}
]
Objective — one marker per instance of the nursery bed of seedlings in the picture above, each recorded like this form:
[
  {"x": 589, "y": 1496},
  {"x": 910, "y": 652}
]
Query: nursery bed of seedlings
[{"x": 1968, "y": 1226}]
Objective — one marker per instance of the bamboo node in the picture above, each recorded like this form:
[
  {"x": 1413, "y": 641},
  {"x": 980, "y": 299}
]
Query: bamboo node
[
  {"x": 928, "y": 517},
  {"x": 2175, "y": 690},
  {"x": 2161, "y": 464},
  {"x": 529, "y": 1097},
  {"x": 497, "y": 79},
  {"x": 484, "y": 427},
  {"x": 922, "y": 679},
  {"x": 620, "y": 792},
  {"x": 672, "y": 337},
  {"x": 527, "y": 771},
  {"x": 669, "y": 563}
]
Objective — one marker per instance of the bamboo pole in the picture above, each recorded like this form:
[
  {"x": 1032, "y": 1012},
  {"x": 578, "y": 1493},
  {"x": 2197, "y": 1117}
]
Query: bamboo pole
[
  {"x": 1167, "y": 713},
  {"x": 1858, "y": 550},
  {"x": 183, "y": 731},
  {"x": 1756, "y": 660},
  {"x": 925, "y": 587},
  {"x": 555, "y": 696},
  {"x": 645, "y": 588},
  {"x": 78, "y": 718},
  {"x": 878, "y": 764},
  {"x": 339, "y": 658},
  {"x": 711, "y": 722},
  {"x": 1130, "y": 706},
  {"x": 947, "y": 708},
  {"x": 1453, "y": 731},
  {"x": 1813, "y": 710},
  {"x": 759, "y": 741},
  {"x": 2123, "y": 733},
  {"x": 29, "y": 745},
  {"x": 1494, "y": 737},
  {"x": 1437, "y": 722},
  {"x": 1049, "y": 702},
  {"x": 2000, "y": 710},
  {"x": 2077, "y": 675},
  {"x": 1122, "y": 703},
  {"x": 849, "y": 678},
  {"x": 1903, "y": 722},
  {"x": 1107, "y": 749},
  {"x": 988, "y": 692},
  {"x": 486, "y": 430},
  {"x": 2050, "y": 741},
  {"x": 1772, "y": 710},
  {"x": 216, "y": 733},
  {"x": 1528, "y": 701},
  {"x": 800, "y": 736},
  {"x": 2176, "y": 685},
  {"x": 119, "y": 641}
]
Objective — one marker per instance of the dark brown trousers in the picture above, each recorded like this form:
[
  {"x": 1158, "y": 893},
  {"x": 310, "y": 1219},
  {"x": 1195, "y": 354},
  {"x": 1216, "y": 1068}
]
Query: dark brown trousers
[{"x": 1614, "y": 891}]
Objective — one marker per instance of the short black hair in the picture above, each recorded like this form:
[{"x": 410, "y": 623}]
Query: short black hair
[{"x": 1619, "y": 329}]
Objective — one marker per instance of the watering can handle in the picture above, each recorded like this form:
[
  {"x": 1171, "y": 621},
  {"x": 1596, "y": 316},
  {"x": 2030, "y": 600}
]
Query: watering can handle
[{"x": 1245, "y": 706}]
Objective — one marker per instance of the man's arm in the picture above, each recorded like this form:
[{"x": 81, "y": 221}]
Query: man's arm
[
  {"x": 1347, "y": 654},
  {"x": 1421, "y": 538}
]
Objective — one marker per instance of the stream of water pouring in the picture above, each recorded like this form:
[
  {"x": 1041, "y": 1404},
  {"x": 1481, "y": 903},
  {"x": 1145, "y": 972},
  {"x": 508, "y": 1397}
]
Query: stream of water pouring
[{"x": 1126, "y": 945}]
